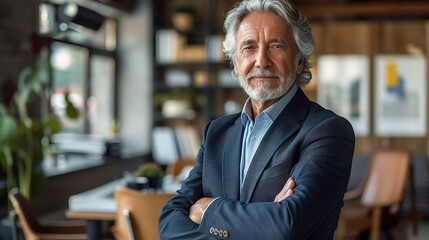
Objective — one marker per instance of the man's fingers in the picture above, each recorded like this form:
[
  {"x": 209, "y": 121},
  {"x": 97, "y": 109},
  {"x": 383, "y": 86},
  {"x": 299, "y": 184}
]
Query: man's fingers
[
  {"x": 197, "y": 209},
  {"x": 286, "y": 191}
]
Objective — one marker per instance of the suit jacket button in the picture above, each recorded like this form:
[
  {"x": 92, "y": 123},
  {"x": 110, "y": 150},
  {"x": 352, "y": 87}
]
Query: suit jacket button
[
  {"x": 216, "y": 232},
  {"x": 211, "y": 230},
  {"x": 225, "y": 233}
]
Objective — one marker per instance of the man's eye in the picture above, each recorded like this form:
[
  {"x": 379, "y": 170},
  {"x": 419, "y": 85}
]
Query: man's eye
[{"x": 277, "y": 46}]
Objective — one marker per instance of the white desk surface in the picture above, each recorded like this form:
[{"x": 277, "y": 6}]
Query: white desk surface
[{"x": 101, "y": 200}]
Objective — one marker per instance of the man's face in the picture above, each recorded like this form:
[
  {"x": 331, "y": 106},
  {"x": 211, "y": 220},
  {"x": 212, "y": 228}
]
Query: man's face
[{"x": 265, "y": 60}]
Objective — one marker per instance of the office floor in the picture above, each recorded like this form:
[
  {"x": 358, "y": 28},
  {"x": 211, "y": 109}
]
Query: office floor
[{"x": 404, "y": 231}]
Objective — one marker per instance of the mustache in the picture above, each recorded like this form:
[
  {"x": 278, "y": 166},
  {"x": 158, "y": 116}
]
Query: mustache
[{"x": 262, "y": 73}]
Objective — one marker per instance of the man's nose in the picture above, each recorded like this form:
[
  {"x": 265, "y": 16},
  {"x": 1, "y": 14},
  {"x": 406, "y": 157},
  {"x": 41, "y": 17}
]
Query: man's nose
[{"x": 262, "y": 58}]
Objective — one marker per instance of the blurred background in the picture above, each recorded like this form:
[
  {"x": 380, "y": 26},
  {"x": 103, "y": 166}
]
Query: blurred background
[{"x": 133, "y": 81}]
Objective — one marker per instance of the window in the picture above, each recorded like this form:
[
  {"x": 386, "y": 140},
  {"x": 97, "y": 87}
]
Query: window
[{"x": 89, "y": 79}]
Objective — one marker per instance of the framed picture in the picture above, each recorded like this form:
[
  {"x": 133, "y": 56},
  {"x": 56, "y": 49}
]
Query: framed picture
[
  {"x": 342, "y": 86},
  {"x": 400, "y": 95}
]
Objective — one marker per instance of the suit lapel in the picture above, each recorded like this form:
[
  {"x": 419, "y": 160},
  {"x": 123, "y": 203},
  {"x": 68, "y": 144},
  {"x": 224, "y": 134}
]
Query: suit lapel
[
  {"x": 286, "y": 124},
  {"x": 231, "y": 161}
]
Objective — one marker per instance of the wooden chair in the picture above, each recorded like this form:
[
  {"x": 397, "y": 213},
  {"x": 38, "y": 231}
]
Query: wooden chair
[
  {"x": 34, "y": 230},
  {"x": 176, "y": 168},
  {"x": 137, "y": 214},
  {"x": 382, "y": 189}
]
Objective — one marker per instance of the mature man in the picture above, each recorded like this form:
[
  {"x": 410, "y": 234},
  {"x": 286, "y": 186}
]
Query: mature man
[{"x": 278, "y": 169}]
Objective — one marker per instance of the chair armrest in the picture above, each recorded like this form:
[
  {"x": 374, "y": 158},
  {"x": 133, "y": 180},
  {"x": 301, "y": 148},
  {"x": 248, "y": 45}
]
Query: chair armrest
[{"x": 353, "y": 194}]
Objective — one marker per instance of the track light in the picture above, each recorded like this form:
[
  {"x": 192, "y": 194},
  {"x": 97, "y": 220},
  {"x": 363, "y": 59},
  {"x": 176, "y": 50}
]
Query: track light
[{"x": 71, "y": 12}]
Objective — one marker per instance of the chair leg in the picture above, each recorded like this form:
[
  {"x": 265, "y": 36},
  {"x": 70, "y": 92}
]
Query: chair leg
[
  {"x": 128, "y": 218},
  {"x": 376, "y": 223},
  {"x": 387, "y": 233},
  {"x": 414, "y": 213},
  {"x": 14, "y": 224}
]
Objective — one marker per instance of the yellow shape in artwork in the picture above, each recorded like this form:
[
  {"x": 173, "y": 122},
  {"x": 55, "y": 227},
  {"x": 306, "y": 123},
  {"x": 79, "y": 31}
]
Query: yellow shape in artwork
[{"x": 391, "y": 74}]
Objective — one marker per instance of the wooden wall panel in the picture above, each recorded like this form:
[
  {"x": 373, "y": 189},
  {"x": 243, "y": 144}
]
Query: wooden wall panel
[
  {"x": 347, "y": 38},
  {"x": 398, "y": 37}
]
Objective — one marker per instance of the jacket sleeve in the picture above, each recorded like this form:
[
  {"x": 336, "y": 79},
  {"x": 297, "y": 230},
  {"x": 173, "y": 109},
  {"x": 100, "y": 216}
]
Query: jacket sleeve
[{"x": 321, "y": 174}]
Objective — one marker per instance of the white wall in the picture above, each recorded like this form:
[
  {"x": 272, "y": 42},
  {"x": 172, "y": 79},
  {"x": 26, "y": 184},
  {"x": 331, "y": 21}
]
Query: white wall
[{"x": 135, "y": 80}]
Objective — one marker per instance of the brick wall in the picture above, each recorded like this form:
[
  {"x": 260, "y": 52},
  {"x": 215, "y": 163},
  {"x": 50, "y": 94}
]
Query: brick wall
[
  {"x": 18, "y": 21},
  {"x": 17, "y": 25}
]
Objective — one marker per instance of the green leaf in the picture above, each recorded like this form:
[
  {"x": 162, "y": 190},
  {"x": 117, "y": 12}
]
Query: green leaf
[
  {"x": 71, "y": 111},
  {"x": 7, "y": 129},
  {"x": 38, "y": 181},
  {"x": 33, "y": 80},
  {"x": 52, "y": 124},
  {"x": 23, "y": 88}
]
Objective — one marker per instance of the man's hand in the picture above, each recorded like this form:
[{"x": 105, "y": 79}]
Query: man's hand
[
  {"x": 197, "y": 210},
  {"x": 286, "y": 191}
]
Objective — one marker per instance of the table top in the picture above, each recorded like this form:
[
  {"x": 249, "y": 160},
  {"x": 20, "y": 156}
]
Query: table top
[
  {"x": 107, "y": 216},
  {"x": 99, "y": 203}
]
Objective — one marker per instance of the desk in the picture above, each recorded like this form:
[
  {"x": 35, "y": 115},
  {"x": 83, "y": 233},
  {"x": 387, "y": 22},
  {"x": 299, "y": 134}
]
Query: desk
[
  {"x": 93, "y": 221},
  {"x": 98, "y": 205},
  {"x": 95, "y": 206}
]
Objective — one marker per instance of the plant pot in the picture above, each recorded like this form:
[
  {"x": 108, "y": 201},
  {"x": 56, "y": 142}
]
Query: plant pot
[
  {"x": 138, "y": 183},
  {"x": 155, "y": 182}
]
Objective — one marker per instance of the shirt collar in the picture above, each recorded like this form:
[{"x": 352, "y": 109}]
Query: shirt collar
[{"x": 274, "y": 110}]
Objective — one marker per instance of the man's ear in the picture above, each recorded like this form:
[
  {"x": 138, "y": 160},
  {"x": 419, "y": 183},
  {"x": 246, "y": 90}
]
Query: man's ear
[
  {"x": 300, "y": 66},
  {"x": 235, "y": 68}
]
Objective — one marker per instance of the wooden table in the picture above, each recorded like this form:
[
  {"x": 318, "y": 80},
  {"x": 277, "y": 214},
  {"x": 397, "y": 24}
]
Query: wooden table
[
  {"x": 98, "y": 205},
  {"x": 94, "y": 206},
  {"x": 93, "y": 221}
]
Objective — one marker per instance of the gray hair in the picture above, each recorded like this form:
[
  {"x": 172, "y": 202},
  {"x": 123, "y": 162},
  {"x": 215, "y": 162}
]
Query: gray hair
[{"x": 301, "y": 29}]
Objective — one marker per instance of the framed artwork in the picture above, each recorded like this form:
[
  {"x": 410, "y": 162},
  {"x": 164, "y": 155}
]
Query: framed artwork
[
  {"x": 342, "y": 86},
  {"x": 400, "y": 95}
]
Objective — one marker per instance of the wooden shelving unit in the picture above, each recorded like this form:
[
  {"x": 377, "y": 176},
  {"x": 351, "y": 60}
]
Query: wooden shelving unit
[{"x": 189, "y": 63}]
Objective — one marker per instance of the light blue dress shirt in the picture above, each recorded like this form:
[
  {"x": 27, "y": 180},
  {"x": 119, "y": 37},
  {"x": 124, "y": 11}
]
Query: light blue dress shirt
[{"x": 254, "y": 132}]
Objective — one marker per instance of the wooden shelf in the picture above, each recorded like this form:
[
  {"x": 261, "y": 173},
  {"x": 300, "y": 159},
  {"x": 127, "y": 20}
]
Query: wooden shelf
[{"x": 367, "y": 11}]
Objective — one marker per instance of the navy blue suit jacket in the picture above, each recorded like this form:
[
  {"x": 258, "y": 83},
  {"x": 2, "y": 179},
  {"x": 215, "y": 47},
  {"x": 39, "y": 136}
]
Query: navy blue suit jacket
[{"x": 306, "y": 141}]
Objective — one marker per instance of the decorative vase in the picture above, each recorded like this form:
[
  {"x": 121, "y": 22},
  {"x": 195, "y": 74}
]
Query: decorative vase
[{"x": 183, "y": 21}]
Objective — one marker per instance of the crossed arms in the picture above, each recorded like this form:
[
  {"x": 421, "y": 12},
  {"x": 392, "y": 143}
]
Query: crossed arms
[{"x": 197, "y": 210}]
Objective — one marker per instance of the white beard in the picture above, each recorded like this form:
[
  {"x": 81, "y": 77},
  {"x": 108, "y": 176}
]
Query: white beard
[{"x": 262, "y": 92}]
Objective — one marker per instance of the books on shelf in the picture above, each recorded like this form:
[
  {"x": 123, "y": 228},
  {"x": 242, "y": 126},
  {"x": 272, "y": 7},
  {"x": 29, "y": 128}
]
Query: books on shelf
[
  {"x": 214, "y": 46},
  {"x": 177, "y": 78},
  {"x": 172, "y": 46},
  {"x": 170, "y": 144},
  {"x": 164, "y": 148},
  {"x": 169, "y": 45}
]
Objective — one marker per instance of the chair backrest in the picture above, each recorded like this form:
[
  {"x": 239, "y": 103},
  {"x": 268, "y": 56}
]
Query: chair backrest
[
  {"x": 30, "y": 225},
  {"x": 387, "y": 177},
  {"x": 143, "y": 210},
  {"x": 176, "y": 167}
]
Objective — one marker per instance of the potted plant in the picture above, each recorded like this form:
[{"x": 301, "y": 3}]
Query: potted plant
[
  {"x": 179, "y": 103},
  {"x": 24, "y": 135},
  {"x": 153, "y": 172}
]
